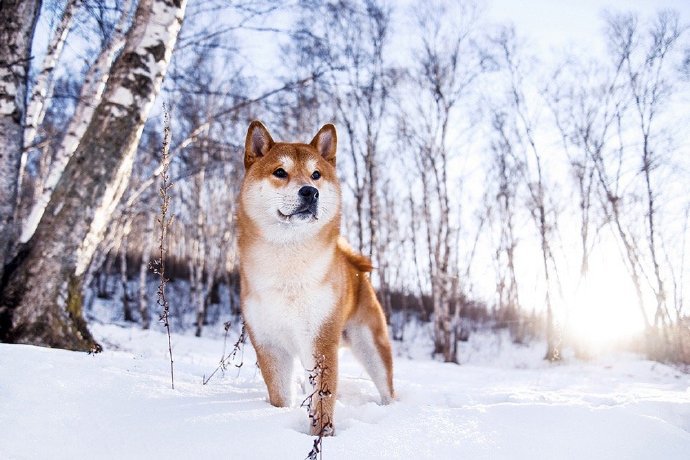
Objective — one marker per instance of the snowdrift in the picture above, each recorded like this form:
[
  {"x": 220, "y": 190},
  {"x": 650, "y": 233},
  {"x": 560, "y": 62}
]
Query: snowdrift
[{"x": 503, "y": 402}]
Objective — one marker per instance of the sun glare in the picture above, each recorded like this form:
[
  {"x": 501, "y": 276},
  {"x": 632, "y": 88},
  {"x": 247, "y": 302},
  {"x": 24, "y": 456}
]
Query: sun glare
[{"x": 604, "y": 310}]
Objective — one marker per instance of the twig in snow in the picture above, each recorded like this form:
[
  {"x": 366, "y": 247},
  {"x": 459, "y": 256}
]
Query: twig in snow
[
  {"x": 226, "y": 360},
  {"x": 315, "y": 413},
  {"x": 158, "y": 265}
]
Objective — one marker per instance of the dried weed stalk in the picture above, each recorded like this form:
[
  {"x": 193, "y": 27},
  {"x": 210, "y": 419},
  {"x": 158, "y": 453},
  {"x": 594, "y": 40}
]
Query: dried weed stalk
[
  {"x": 225, "y": 360},
  {"x": 164, "y": 220},
  {"x": 315, "y": 408}
]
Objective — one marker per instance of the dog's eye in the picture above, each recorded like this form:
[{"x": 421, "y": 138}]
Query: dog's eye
[
  {"x": 316, "y": 175},
  {"x": 281, "y": 173}
]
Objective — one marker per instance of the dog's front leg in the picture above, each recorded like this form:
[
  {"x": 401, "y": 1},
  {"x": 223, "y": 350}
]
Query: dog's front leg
[
  {"x": 325, "y": 376},
  {"x": 276, "y": 367}
]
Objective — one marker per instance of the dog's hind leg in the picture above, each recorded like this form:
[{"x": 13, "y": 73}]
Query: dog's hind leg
[
  {"x": 370, "y": 345},
  {"x": 276, "y": 366}
]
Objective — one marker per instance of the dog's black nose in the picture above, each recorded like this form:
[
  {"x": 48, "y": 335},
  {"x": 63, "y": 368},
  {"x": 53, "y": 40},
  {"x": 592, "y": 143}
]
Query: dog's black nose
[{"x": 309, "y": 194}]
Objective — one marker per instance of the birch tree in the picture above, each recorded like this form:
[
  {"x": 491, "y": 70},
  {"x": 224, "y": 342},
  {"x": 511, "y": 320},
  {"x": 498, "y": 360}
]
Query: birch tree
[
  {"x": 124, "y": 278},
  {"x": 502, "y": 209},
  {"x": 42, "y": 296},
  {"x": 645, "y": 57},
  {"x": 16, "y": 33},
  {"x": 198, "y": 266},
  {"x": 611, "y": 117},
  {"x": 586, "y": 102},
  {"x": 90, "y": 97},
  {"x": 449, "y": 64},
  {"x": 43, "y": 86},
  {"x": 523, "y": 125},
  {"x": 144, "y": 268},
  {"x": 650, "y": 90}
]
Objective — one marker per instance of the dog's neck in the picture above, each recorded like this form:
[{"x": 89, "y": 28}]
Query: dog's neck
[{"x": 281, "y": 262}]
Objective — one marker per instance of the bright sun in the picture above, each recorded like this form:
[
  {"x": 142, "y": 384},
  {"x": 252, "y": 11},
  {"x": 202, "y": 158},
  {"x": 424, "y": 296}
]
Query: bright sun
[{"x": 604, "y": 309}]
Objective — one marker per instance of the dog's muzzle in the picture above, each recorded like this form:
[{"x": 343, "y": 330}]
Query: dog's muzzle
[{"x": 309, "y": 204}]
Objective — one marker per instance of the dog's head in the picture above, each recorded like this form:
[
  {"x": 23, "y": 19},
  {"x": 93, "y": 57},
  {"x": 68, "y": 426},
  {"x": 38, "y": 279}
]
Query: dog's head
[{"x": 290, "y": 189}]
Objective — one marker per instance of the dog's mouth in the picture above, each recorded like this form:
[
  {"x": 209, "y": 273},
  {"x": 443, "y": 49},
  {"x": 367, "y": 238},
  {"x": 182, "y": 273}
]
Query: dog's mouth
[{"x": 304, "y": 213}]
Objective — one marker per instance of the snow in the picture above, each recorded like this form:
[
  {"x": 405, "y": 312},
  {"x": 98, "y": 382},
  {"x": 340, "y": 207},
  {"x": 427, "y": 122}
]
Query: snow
[{"x": 502, "y": 402}]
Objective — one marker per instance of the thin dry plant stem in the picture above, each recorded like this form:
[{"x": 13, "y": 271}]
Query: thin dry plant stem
[
  {"x": 236, "y": 348},
  {"x": 164, "y": 221},
  {"x": 321, "y": 391}
]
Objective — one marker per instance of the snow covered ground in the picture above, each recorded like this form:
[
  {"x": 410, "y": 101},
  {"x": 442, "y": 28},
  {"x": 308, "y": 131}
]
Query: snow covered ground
[{"x": 503, "y": 402}]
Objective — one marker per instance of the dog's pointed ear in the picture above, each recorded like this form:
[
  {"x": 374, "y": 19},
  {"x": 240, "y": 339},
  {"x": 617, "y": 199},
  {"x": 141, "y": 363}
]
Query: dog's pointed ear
[
  {"x": 257, "y": 144},
  {"x": 325, "y": 142}
]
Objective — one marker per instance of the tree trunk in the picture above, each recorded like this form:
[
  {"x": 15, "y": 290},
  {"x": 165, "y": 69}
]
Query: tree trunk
[
  {"x": 42, "y": 91},
  {"x": 126, "y": 307},
  {"x": 208, "y": 294},
  {"x": 102, "y": 265},
  {"x": 89, "y": 98},
  {"x": 16, "y": 33},
  {"x": 41, "y": 299},
  {"x": 201, "y": 265},
  {"x": 144, "y": 270},
  {"x": 43, "y": 87}
]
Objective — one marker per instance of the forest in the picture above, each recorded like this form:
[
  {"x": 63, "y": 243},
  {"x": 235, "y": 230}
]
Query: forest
[{"x": 495, "y": 185}]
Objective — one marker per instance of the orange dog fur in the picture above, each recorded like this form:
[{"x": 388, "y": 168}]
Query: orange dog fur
[{"x": 303, "y": 288}]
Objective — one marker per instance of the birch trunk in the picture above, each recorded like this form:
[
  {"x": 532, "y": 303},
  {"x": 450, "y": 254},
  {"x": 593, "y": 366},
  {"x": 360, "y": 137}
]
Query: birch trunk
[
  {"x": 89, "y": 98},
  {"x": 126, "y": 307},
  {"x": 197, "y": 273},
  {"x": 16, "y": 32},
  {"x": 54, "y": 261},
  {"x": 43, "y": 87},
  {"x": 149, "y": 236},
  {"x": 100, "y": 269},
  {"x": 101, "y": 266}
]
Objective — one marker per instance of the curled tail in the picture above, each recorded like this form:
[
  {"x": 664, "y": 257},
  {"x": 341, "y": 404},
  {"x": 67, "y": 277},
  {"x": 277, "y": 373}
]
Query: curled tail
[{"x": 361, "y": 262}]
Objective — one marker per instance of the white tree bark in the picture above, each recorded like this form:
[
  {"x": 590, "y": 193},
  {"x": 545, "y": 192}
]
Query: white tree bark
[
  {"x": 89, "y": 97},
  {"x": 54, "y": 260},
  {"x": 146, "y": 57},
  {"x": 16, "y": 32},
  {"x": 43, "y": 87}
]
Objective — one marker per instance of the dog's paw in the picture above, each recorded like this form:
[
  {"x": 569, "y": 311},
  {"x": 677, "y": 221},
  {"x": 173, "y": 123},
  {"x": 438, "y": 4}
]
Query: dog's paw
[{"x": 387, "y": 399}]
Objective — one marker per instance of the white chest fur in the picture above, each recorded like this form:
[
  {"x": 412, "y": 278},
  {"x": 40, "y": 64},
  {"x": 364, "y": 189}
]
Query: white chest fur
[{"x": 288, "y": 298}]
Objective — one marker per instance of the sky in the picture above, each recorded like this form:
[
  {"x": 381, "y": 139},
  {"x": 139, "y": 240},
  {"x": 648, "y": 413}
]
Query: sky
[{"x": 553, "y": 24}]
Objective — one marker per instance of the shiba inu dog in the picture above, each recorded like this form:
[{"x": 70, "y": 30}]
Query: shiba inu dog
[{"x": 304, "y": 291}]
